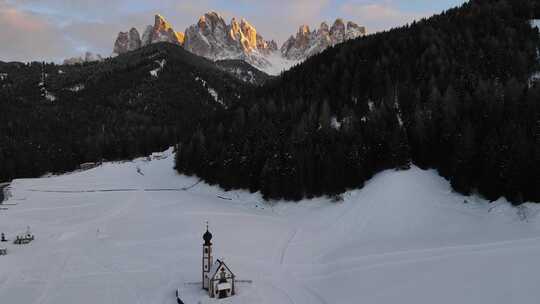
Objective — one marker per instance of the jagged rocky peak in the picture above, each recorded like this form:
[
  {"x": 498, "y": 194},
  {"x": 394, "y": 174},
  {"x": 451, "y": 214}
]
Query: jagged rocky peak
[
  {"x": 162, "y": 31},
  {"x": 354, "y": 31},
  {"x": 146, "y": 38},
  {"x": 304, "y": 33},
  {"x": 121, "y": 43},
  {"x": 127, "y": 41},
  {"x": 340, "y": 33},
  {"x": 308, "y": 43},
  {"x": 210, "y": 24},
  {"x": 134, "y": 39},
  {"x": 209, "y": 37},
  {"x": 213, "y": 38},
  {"x": 245, "y": 34},
  {"x": 324, "y": 29},
  {"x": 294, "y": 47},
  {"x": 266, "y": 47},
  {"x": 212, "y": 21},
  {"x": 337, "y": 31},
  {"x": 324, "y": 34}
]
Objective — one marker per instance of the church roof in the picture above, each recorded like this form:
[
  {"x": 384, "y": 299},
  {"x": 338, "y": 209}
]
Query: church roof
[{"x": 215, "y": 267}]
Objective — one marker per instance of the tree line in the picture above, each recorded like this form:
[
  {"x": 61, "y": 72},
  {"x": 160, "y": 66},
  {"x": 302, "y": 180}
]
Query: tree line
[
  {"x": 452, "y": 92},
  {"x": 55, "y": 117}
]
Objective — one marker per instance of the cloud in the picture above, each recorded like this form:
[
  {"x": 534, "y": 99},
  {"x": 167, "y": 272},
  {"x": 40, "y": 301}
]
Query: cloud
[
  {"x": 380, "y": 16},
  {"x": 25, "y": 35},
  {"x": 304, "y": 11}
]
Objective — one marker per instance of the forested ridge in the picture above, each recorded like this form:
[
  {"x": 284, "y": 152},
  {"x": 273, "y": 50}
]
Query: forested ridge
[
  {"x": 55, "y": 117},
  {"x": 453, "y": 92}
]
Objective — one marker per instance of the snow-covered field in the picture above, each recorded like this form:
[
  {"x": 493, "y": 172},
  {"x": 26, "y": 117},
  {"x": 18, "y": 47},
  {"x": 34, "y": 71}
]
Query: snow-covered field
[{"x": 404, "y": 238}]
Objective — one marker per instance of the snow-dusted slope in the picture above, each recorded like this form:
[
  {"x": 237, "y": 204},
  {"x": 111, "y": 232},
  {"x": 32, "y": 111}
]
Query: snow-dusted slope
[
  {"x": 535, "y": 23},
  {"x": 131, "y": 233}
]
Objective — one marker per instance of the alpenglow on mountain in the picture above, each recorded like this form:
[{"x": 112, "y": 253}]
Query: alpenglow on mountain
[
  {"x": 212, "y": 37},
  {"x": 161, "y": 31}
]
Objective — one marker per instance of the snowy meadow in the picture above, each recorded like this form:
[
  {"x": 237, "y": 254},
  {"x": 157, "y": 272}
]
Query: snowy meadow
[{"x": 131, "y": 232}]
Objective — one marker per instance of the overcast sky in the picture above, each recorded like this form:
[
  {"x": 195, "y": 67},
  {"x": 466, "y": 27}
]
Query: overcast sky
[{"x": 52, "y": 30}]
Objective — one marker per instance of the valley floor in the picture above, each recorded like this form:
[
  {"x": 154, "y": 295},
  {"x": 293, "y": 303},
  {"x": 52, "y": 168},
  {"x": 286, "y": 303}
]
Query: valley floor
[{"x": 131, "y": 232}]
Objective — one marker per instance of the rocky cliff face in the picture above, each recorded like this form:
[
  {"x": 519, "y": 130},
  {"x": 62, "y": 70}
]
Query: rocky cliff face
[
  {"x": 307, "y": 43},
  {"x": 354, "y": 31},
  {"x": 161, "y": 31},
  {"x": 127, "y": 41},
  {"x": 134, "y": 40},
  {"x": 212, "y": 37},
  {"x": 209, "y": 37}
]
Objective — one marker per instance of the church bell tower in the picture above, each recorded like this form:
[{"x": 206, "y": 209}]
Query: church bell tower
[{"x": 207, "y": 259}]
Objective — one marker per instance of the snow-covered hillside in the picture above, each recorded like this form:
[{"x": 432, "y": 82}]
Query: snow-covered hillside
[
  {"x": 535, "y": 23},
  {"x": 131, "y": 233}
]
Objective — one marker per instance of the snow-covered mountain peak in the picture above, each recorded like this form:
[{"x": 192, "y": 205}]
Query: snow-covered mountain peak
[
  {"x": 212, "y": 37},
  {"x": 308, "y": 43},
  {"x": 303, "y": 30}
]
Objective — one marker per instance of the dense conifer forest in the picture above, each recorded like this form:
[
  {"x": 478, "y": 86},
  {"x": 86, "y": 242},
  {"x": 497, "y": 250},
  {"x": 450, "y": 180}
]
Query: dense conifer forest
[
  {"x": 453, "y": 92},
  {"x": 55, "y": 117}
]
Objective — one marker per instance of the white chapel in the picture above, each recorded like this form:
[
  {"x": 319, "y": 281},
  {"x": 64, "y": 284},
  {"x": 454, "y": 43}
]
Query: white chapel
[{"x": 217, "y": 277}]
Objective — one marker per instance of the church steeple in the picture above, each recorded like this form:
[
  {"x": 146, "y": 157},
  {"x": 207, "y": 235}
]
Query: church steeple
[
  {"x": 207, "y": 237},
  {"x": 207, "y": 259}
]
